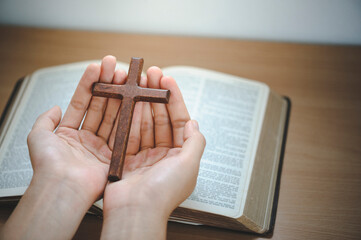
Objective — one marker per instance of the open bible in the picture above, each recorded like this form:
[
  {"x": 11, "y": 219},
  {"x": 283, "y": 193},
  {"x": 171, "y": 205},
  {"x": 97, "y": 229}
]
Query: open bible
[{"x": 243, "y": 121}]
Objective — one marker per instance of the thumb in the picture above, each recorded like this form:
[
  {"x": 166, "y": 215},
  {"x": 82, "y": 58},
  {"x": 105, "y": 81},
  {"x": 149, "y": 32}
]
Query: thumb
[
  {"x": 49, "y": 120},
  {"x": 194, "y": 141}
]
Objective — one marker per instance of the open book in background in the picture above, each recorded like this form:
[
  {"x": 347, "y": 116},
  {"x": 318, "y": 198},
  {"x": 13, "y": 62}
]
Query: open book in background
[{"x": 244, "y": 123}]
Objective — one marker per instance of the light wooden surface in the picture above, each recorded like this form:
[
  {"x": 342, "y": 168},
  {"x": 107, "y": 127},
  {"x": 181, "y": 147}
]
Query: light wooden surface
[{"x": 321, "y": 180}]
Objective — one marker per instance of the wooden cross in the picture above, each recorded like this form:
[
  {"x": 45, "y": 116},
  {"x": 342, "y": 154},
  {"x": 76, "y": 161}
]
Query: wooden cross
[{"x": 129, "y": 93}]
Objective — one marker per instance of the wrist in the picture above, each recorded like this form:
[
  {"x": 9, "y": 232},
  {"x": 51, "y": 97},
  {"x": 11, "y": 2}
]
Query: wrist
[
  {"x": 68, "y": 180},
  {"x": 47, "y": 204},
  {"x": 134, "y": 222},
  {"x": 60, "y": 188},
  {"x": 121, "y": 194},
  {"x": 131, "y": 213}
]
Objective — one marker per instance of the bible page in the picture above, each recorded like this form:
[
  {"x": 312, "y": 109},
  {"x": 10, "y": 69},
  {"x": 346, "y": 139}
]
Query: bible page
[
  {"x": 47, "y": 87},
  {"x": 230, "y": 112}
]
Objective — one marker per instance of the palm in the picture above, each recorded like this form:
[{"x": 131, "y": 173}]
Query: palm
[
  {"x": 70, "y": 154},
  {"x": 86, "y": 148},
  {"x": 143, "y": 160},
  {"x": 162, "y": 157},
  {"x": 155, "y": 164}
]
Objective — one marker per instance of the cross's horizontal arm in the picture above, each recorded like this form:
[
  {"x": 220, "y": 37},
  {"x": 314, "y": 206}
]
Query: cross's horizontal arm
[
  {"x": 152, "y": 95},
  {"x": 129, "y": 93},
  {"x": 108, "y": 90},
  {"x": 134, "y": 92}
]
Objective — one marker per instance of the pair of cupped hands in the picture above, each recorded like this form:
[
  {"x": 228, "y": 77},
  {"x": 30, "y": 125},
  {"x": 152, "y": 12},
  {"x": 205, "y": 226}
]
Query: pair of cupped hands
[{"x": 71, "y": 157}]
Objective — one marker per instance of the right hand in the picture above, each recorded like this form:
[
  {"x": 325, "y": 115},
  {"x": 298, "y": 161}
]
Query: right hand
[{"x": 161, "y": 167}]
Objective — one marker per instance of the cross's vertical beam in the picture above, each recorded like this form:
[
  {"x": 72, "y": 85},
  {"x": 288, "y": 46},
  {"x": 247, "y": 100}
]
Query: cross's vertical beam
[
  {"x": 130, "y": 93},
  {"x": 121, "y": 139},
  {"x": 125, "y": 120},
  {"x": 135, "y": 71}
]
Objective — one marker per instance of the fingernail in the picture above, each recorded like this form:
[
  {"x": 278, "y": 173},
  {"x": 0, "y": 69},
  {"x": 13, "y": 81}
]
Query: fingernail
[{"x": 195, "y": 124}]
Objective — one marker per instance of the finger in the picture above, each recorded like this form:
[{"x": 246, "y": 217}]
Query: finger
[
  {"x": 147, "y": 128},
  {"x": 147, "y": 125},
  {"x": 177, "y": 110},
  {"x": 112, "y": 108},
  {"x": 134, "y": 135},
  {"x": 43, "y": 126},
  {"x": 48, "y": 120},
  {"x": 81, "y": 98},
  {"x": 97, "y": 105},
  {"x": 194, "y": 142},
  {"x": 42, "y": 129},
  {"x": 114, "y": 130},
  {"x": 162, "y": 124}
]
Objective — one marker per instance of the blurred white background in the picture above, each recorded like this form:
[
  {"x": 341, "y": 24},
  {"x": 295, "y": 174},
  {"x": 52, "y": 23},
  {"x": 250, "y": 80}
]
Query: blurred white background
[{"x": 321, "y": 21}]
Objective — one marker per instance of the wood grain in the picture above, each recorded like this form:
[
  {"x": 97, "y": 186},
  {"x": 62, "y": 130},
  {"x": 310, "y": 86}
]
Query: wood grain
[
  {"x": 321, "y": 180},
  {"x": 129, "y": 93}
]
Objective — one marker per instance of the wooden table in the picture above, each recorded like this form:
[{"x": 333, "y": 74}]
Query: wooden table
[{"x": 320, "y": 193}]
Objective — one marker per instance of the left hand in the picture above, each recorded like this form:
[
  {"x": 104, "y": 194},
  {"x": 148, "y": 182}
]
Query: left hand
[
  {"x": 78, "y": 157},
  {"x": 70, "y": 165}
]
